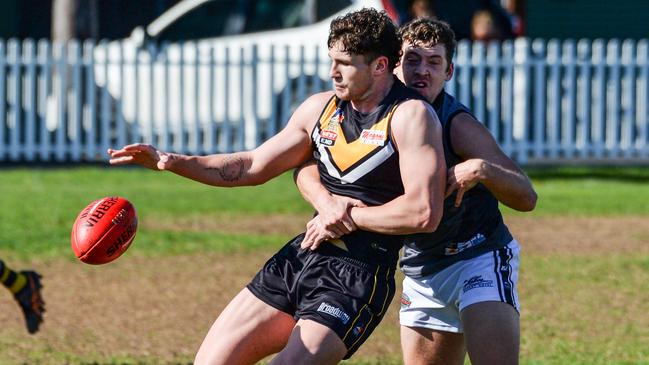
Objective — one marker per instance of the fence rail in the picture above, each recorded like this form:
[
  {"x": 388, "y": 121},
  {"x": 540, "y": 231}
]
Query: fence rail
[{"x": 544, "y": 101}]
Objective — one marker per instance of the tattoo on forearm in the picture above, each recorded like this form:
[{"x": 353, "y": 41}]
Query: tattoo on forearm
[{"x": 231, "y": 169}]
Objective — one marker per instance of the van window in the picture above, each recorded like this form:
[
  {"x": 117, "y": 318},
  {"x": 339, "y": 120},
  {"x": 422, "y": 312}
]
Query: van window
[
  {"x": 327, "y": 8},
  {"x": 210, "y": 19},
  {"x": 228, "y": 17},
  {"x": 263, "y": 15}
]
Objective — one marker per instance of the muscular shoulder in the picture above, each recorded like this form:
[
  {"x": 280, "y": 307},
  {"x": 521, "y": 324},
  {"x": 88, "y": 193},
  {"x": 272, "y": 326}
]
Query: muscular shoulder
[
  {"x": 415, "y": 120},
  {"x": 414, "y": 111}
]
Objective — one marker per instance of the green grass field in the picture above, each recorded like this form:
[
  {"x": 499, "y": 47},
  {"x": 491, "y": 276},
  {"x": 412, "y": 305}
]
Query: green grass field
[
  {"x": 45, "y": 203},
  {"x": 41, "y": 204},
  {"x": 580, "y": 306}
]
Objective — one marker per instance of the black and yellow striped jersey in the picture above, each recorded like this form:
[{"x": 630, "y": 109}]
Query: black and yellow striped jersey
[
  {"x": 355, "y": 152},
  {"x": 357, "y": 158}
]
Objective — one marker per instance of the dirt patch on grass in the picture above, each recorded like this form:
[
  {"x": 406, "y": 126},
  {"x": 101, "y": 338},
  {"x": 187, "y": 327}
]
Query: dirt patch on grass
[
  {"x": 141, "y": 308},
  {"x": 158, "y": 310},
  {"x": 581, "y": 235}
]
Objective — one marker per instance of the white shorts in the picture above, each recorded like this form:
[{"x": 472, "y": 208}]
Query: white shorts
[{"x": 436, "y": 301}]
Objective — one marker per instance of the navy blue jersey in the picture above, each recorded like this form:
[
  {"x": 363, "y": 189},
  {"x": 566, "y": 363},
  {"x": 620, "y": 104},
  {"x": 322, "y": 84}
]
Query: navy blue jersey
[{"x": 473, "y": 228}]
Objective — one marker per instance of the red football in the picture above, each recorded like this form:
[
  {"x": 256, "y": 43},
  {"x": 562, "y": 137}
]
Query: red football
[{"x": 104, "y": 230}]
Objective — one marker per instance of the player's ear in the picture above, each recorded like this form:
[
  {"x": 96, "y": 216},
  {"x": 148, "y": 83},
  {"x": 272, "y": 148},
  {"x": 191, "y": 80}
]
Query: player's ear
[
  {"x": 381, "y": 65},
  {"x": 449, "y": 72}
]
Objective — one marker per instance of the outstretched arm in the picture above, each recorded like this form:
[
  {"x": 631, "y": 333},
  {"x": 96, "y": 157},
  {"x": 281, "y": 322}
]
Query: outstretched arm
[
  {"x": 484, "y": 162},
  {"x": 288, "y": 149}
]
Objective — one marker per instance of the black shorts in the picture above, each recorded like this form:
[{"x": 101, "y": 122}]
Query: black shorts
[{"x": 329, "y": 287}]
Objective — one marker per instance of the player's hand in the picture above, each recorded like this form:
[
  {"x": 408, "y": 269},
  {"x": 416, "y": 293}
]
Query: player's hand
[
  {"x": 334, "y": 214},
  {"x": 463, "y": 177},
  {"x": 139, "y": 153},
  {"x": 316, "y": 233}
]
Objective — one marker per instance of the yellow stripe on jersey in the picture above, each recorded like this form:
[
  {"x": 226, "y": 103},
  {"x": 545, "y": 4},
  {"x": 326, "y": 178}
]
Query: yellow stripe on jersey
[
  {"x": 385, "y": 300},
  {"x": 328, "y": 112},
  {"x": 345, "y": 154},
  {"x": 369, "y": 301}
]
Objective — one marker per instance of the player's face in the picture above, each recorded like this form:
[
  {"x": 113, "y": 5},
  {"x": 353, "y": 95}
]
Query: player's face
[
  {"x": 351, "y": 75},
  {"x": 425, "y": 69}
]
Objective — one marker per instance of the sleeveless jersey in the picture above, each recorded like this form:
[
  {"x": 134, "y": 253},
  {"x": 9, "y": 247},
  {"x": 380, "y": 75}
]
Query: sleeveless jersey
[
  {"x": 356, "y": 157},
  {"x": 473, "y": 228}
]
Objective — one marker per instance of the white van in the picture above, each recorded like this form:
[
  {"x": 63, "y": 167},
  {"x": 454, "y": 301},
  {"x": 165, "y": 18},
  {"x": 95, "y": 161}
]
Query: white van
[{"x": 220, "y": 75}]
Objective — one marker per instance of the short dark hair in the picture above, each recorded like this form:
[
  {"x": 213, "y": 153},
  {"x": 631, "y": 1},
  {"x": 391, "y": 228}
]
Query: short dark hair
[
  {"x": 367, "y": 32},
  {"x": 429, "y": 32}
]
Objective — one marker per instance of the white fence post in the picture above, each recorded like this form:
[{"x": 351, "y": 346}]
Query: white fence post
[
  {"x": 165, "y": 142},
  {"x": 613, "y": 99},
  {"x": 628, "y": 98},
  {"x": 14, "y": 99},
  {"x": 554, "y": 98},
  {"x": 464, "y": 72},
  {"x": 642, "y": 100},
  {"x": 3, "y": 96},
  {"x": 569, "y": 100},
  {"x": 89, "y": 123},
  {"x": 106, "y": 105},
  {"x": 29, "y": 59},
  {"x": 599, "y": 99},
  {"x": 75, "y": 101},
  {"x": 494, "y": 89},
  {"x": 478, "y": 86},
  {"x": 506, "y": 137},
  {"x": 584, "y": 98},
  {"x": 521, "y": 115},
  {"x": 539, "y": 119},
  {"x": 44, "y": 93}
]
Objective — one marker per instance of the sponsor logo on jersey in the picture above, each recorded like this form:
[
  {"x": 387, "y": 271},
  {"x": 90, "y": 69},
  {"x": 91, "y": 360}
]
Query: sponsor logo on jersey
[
  {"x": 328, "y": 138},
  {"x": 372, "y": 136},
  {"x": 457, "y": 247},
  {"x": 476, "y": 282},
  {"x": 335, "y": 120},
  {"x": 405, "y": 301},
  {"x": 358, "y": 330},
  {"x": 334, "y": 311}
]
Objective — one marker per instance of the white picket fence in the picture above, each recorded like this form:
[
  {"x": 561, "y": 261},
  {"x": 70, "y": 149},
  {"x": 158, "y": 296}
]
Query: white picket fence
[{"x": 544, "y": 101}]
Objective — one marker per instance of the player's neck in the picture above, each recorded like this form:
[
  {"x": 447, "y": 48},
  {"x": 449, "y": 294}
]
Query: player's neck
[{"x": 377, "y": 92}]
